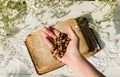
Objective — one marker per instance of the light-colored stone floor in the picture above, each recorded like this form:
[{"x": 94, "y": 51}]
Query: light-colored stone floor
[{"x": 16, "y": 62}]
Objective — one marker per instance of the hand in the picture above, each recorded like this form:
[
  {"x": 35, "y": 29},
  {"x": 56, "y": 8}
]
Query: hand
[
  {"x": 72, "y": 57},
  {"x": 51, "y": 33}
]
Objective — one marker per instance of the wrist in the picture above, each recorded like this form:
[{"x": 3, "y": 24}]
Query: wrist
[{"x": 74, "y": 59}]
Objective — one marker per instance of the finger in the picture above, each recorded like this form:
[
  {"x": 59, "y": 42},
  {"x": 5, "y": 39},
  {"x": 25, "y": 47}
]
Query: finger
[
  {"x": 48, "y": 40},
  {"x": 50, "y": 33},
  {"x": 72, "y": 32},
  {"x": 55, "y": 31}
]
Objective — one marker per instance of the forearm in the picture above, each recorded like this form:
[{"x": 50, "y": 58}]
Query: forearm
[{"x": 83, "y": 68}]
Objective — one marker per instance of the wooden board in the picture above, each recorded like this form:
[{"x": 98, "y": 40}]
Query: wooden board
[{"x": 41, "y": 55}]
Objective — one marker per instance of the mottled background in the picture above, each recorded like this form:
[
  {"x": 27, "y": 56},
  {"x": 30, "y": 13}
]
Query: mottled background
[{"x": 18, "y": 18}]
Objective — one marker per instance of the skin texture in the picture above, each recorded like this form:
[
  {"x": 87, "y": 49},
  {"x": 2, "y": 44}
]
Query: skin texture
[{"x": 72, "y": 57}]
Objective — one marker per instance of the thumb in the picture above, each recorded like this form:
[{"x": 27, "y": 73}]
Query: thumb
[{"x": 72, "y": 32}]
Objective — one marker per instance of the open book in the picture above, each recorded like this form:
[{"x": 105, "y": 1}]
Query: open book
[{"x": 40, "y": 53}]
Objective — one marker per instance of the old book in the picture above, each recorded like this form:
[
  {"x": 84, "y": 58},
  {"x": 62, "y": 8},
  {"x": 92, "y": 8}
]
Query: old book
[{"x": 40, "y": 53}]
